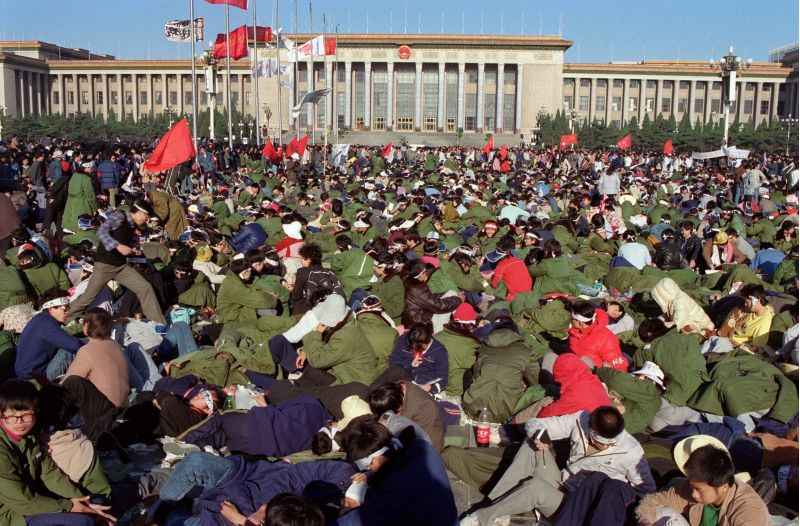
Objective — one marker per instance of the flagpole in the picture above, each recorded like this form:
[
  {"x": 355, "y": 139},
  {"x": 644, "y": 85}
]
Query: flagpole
[
  {"x": 296, "y": 73},
  {"x": 313, "y": 84},
  {"x": 256, "y": 100},
  {"x": 278, "y": 61},
  {"x": 228, "y": 75},
  {"x": 194, "y": 77}
]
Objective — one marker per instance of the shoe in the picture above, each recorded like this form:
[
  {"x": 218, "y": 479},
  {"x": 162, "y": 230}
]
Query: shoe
[
  {"x": 505, "y": 520},
  {"x": 469, "y": 520}
]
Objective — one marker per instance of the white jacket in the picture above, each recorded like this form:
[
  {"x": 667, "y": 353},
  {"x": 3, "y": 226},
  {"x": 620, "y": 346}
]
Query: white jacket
[
  {"x": 210, "y": 269},
  {"x": 624, "y": 461}
]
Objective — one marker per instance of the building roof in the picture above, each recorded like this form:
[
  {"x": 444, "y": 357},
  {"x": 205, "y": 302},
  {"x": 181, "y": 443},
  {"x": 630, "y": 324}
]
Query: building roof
[
  {"x": 101, "y": 65},
  {"x": 51, "y": 49},
  {"x": 675, "y": 67},
  {"x": 356, "y": 40}
]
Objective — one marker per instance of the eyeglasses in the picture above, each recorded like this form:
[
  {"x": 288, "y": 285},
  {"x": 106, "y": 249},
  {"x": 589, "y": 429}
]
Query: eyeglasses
[{"x": 24, "y": 418}]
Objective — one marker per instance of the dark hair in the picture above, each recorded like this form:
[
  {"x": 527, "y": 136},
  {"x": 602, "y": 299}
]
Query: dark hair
[
  {"x": 286, "y": 509},
  {"x": 312, "y": 252},
  {"x": 598, "y": 221},
  {"x": 99, "y": 323},
  {"x": 552, "y": 248},
  {"x": 420, "y": 334},
  {"x": 687, "y": 225},
  {"x": 506, "y": 243},
  {"x": 343, "y": 242},
  {"x": 583, "y": 308},
  {"x": 365, "y": 435},
  {"x": 732, "y": 232},
  {"x": 607, "y": 421},
  {"x": 754, "y": 290},
  {"x": 321, "y": 443},
  {"x": 337, "y": 207},
  {"x": 652, "y": 328},
  {"x": 711, "y": 466},
  {"x": 18, "y": 395},
  {"x": 53, "y": 294},
  {"x": 386, "y": 397},
  {"x": 140, "y": 205}
]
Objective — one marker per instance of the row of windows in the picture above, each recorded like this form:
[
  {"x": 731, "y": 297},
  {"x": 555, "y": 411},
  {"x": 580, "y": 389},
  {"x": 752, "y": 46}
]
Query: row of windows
[
  {"x": 666, "y": 104},
  {"x": 143, "y": 96},
  {"x": 652, "y": 84}
]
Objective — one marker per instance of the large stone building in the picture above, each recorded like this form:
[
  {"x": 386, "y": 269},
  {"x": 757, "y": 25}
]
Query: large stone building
[{"x": 416, "y": 84}]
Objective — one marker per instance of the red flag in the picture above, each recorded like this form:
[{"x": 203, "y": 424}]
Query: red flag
[
  {"x": 489, "y": 146},
  {"x": 241, "y": 4},
  {"x": 262, "y": 34},
  {"x": 668, "y": 147},
  {"x": 174, "y": 148},
  {"x": 386, "y": 152},
  {"x": 269, "y": 152},
  {"x": 568, "y": 139},
  {"x": 237, "y": 44},
  {"x": 503, "y": 153},
  {"x": 297, "y": 147},
  {"x": 625, "y": 142}
]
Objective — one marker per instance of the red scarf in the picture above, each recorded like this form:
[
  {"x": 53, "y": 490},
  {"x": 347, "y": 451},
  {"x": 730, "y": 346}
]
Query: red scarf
[{"x": 13, "y": 436}]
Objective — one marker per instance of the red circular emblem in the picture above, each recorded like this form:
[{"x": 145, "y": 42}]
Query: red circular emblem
[{"x": 404, "y": 52}]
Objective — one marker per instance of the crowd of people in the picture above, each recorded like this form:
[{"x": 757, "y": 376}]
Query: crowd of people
[{"x": 429, "y": 336}]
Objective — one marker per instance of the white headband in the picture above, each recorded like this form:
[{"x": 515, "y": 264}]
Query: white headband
[
  {"x": 596, "y": 437},
  {"x": 57, "y": 302},
  {"x": 363, "y": 463},
  {"x": 142, "y": 210},
  {"x": 330, "y": 432},
  {"x": 238, "y": 256},
  {"x": 584, "y": 319}
]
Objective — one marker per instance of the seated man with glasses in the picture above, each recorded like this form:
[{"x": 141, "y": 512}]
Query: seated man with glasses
[
  {"x": 33, "y": 490},
  {"x": 45, "y": 349}
]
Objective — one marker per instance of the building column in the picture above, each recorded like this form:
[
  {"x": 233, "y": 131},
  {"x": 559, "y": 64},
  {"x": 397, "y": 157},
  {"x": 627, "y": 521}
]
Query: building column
[
  {"x": 348, "y": 93},
  {"x": 707, "y": 103},
  {"x": 499, "y": 125},
  {"x": 460, "y": 120},
  {"x": 389, "y": 96},
  {"x": 242, "y": 104},
  {"x": 692, "y": 95},
  {"x": 180, "y": 88},
  {"x": 481, "y": 88},
  {"x": 20, "y": 81},
  {"x": 62, "y": 90},
  {"x": 659, "y": 96},
  {"x": 92, "y": 101},
  {"x": 120, "y": 97},
  {"x": 151, "y": 100},
  {"x": 76, "y": 83},
  {"x": 609, "y": 88},
  {"x": 135, "y": 79},
  {"x": 518, "y": 103},
  {"x": 592, "y": 98},
  {"x": 32, "y": 93},
  {"x": 418, "y": 98},
  {"x": 642, "y": 99},
  {"x": 367, "y": 95},
  {"x": 757, "y": 103},
  {"x": 773, "y": 105},
  {"x": 330, "y": 114},
  {"x": 740, "y": 102},
  {"x": 624, "y": 114},
  {"x": 441, "y": 109}
]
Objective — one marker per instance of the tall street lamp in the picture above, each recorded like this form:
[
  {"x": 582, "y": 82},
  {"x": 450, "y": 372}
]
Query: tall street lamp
[
  {"x": 728, "y": 66},
  {"x": 211, "y": 87},
  {"x": 788, "y": 123}
]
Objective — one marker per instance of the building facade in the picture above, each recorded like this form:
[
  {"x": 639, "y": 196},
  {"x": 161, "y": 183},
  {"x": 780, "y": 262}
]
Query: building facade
[{"x": 427, "y": 84}]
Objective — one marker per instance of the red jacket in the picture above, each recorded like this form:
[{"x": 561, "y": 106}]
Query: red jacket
[
  {"x": 580, "y": 389},
  {"x": 599, "y": 344},
  {"x": 513, "y": 272}
]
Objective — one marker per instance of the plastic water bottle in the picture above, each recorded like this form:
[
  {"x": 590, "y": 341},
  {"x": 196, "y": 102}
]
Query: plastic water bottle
[{"x": 483, "y": 430}]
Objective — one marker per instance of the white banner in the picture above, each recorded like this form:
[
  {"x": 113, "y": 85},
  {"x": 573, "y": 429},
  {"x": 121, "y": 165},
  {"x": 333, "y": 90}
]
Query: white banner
[
  {"x": 731, "y": 153},
  {"x": 312, "y": 97},
  {"x": 181, "y": 31},
  {"x": 339, "y": 157},
  {"x": 269, "y": 68}
]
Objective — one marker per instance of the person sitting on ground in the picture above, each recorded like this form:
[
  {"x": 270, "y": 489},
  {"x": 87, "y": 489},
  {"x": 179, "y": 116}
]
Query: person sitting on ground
[
  {"x": 34, "y": 490},
  {"x": 710, "y": 495},
  {"x": 750, "y": 325},
  {"x": 422, "y": 358},
  {"x": 45, "y": 349},
  {"x": 400, "y": 402},
  {"x": 591, "y": 339}
]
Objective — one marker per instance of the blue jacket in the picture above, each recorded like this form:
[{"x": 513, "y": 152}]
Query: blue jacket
[
  {"x": 766, "y": 262},
  {"x": 251, "y": 484},
  {"x": 248, "y": 237},
  {"x": 109, "y": 174},
  {"x": 272, "y": 431},
  {"x": 39, "y": 342},
  {"x": 412, "y": 488},
  {"x": 54, "y": 172},
  {"x": 434, "y": 364}
]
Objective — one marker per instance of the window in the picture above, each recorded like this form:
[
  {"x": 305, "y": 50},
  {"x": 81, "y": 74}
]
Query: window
[
  {"x": 247, "y": 100},
  {"x": 430, "y": 97},
  {"x": 699, "y": 105},
  {"x": 602, "y": 83},
  {"x": 509, "y": 111},
  {"x": 748, "y": 107},
  {"x": 380, "y": 123},
  {"x": 100, "y": 97},
  {"x": 405, "y": 123},
  {"x": 203, "y": 98},
  {"x": 684, "y": 84},
  {"x": 340, "y": 73},
  {"x": 359, "y": 97},
  {"x": 430, "y": 124},
  {"x": 472, "y": 75},
  {"x": 682, "y": 103},
  {"x": 616, "y": 103},
  {"x": 235, "y": 98},
  {"x": 585, "y": 83},
  {"x": 667, "y": 84},
  {"x": 405, "y": 96},
  {"x": 633, "y": 104},
  {"x": 649, "y": 104},
  {"x": 568, "y": 101},
  {"x": 715, "y": 106},
  {"x": 451, "y": 95},
  {"x": 469, "y": 123},
  {"x": 173, "y": 98},
  {"x": 509, "y": 78},
  {"x": 716, "y": 86},
  {"x": 634, "y": 83},
  {"x": 84, "y": 97},
  {"x": 340, "y": 121},
  {"x": 114, "y": 97},
  {"x": 749, "y": 86},
  {"x": 159, "y": 98},
  {"x": 666, "y": 104},
  {"x": 380, "y": 96},
  {"x": 128, "y": 97},
  {"x": 142, "y": 97},
  {"x": 360, "y": 123},
  {"x": 651, "y": 84},
  {"x": 451, "y": 124},
  {"x": 764, "y": 107},
  {"x": 584, "y": 103},
  {"x": 568, "y": 83},
  {"x": 616, "y": 123},
  {"x": 302, "y": 75},
  {"x": 618, "y": 83},
  {"x": 600, "y": 103},
  {"x": 55, "y": 98},
  {"x": 340, "y": 109},
  {"x": 187, "y": 97}
]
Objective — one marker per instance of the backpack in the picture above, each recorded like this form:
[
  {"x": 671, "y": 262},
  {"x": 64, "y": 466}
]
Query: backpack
[{"x": 320, "y": 284}]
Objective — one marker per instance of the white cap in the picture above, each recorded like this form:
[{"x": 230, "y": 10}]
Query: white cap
[{"x": 652, "y": 371}]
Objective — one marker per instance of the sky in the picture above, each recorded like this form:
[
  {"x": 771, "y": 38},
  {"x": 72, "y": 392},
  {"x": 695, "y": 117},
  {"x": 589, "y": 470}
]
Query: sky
[{"x": 602, "y": 30}]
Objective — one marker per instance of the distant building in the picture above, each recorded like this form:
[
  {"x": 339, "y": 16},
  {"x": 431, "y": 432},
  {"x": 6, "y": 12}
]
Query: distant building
[{"x": 404, "y": 83}]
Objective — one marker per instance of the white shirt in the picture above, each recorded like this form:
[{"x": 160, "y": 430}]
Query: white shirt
[{"x": 636, "y": 254}]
